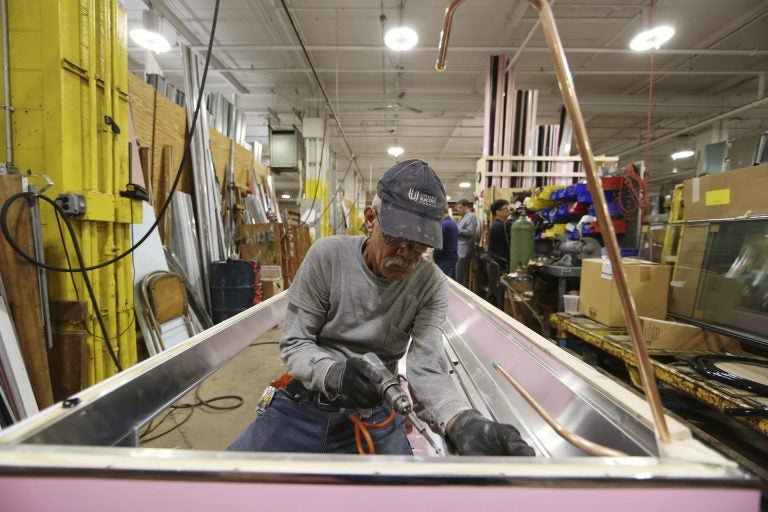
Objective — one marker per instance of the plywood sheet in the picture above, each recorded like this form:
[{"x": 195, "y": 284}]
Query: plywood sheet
[
  {"x": 158, "y": 123},
  {"x": 20, "y": 278},
  {"x": 68, "y": 358}
]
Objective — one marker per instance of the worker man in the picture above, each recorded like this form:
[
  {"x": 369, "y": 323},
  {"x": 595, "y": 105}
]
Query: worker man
[
  {"x": 498, "y": 234},
  {"x": 468, "y": 227},
  {"x": 446, "y": 257},
  {"x": 498, "y": 251},
  {"x": 354, "y": 295}
]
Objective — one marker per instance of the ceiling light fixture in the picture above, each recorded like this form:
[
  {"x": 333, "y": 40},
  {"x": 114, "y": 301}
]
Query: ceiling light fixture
[
  {"x": 148, "y": 35},
  {"x": 651, "y": 39},
  {"x": 465, "y": 184},
  {"x": 285, "y": 196},
  {"x": 395, "y": 151},
  {"x": 685, "y": 153},
  {"x": 401, "y": 39}
]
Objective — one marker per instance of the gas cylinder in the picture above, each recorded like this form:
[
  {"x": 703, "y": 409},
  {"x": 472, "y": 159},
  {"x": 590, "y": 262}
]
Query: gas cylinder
[{"x": 521, "y": 243}]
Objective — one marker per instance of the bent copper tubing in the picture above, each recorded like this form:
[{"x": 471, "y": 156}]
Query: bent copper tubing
[
  {"x": 575, "y": 439},
  {"x": 445, "y": 34},
  {"x": 565, "y": 81}
]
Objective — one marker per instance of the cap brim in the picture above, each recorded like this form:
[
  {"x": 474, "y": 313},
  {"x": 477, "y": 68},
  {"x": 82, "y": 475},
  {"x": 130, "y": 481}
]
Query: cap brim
[{"x": 410, "y": 226}]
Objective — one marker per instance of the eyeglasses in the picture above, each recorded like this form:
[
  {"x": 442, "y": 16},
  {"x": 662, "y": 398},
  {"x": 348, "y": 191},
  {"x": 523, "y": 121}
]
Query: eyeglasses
[
  {"x": 400, "y": 243},
  {"x": 404, "y": 244}
]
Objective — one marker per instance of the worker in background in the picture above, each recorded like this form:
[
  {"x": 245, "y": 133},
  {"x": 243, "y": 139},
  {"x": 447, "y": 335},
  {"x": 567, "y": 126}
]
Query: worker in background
[
  {"x": 498, "y": 235},
  {"x": 446, "y": 257},
  {"x": 468, "y": 229},
  {"x": 354, "y": 295}
]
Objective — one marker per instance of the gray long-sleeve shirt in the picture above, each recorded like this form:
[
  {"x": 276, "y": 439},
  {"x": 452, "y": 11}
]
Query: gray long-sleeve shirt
[
  {"x": 338, "y": 308},
  {"x": 468, "y": 227}
]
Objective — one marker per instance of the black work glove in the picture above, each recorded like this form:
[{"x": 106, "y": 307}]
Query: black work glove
[
  {"x": 356, "y": 382},
  {"x": 472, "y": 434}
]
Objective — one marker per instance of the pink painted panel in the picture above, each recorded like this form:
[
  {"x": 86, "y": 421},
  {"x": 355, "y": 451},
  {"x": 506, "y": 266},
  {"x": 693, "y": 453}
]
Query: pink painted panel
[{"x": 21, "y": 494}]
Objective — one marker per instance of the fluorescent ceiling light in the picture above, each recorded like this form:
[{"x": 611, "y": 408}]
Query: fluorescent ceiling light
[
  {"x": 401, "y": 39},
  {"x": 652, "y": 39},
  {"x": 285, "y": 196},
  {"x": 395, "y": 151},
  {"x": 465, "y": 184},
  {"x": 149, "y": 36},
  {"x": 685, "y": 153},
  {"x": 447, "y": 198}
]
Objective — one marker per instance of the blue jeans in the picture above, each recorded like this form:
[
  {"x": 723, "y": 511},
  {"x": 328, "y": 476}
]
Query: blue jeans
[{"x": 296, "y": 423}]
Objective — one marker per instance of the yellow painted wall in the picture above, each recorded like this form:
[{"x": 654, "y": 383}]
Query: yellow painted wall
[{"x": 68, "y": 71}]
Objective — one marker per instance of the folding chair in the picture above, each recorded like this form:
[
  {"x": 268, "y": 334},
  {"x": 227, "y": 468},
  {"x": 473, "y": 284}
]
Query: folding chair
[{"x": 166, "y": 309}]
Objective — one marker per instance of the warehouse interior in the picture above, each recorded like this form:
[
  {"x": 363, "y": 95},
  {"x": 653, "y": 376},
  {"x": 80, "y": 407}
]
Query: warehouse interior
[{"x": 158, "y": 203}]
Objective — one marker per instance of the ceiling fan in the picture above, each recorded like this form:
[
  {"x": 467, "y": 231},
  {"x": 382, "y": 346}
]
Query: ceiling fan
[{"x": 398, "y": 106}]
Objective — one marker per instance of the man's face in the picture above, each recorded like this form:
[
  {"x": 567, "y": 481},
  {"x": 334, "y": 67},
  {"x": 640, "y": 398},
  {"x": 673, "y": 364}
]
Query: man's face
[
  {"x": 462, "y": 209},
  {"x": 503, "y": 213},
  {"x": 387, "y": 257}
]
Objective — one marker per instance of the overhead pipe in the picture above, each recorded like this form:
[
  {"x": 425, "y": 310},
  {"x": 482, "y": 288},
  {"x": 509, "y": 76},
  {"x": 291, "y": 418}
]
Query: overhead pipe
[
  {"x": 700, "y": 124},
  {"x": 471, "y": 49},
  {"x": 524, "y": 44},
  {"x": 568, "y": 90},
  {"x": 7, "y": 90}
]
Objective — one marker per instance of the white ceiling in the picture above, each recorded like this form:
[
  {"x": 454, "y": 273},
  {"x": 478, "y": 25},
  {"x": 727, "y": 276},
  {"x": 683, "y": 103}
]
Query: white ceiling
[{"x": 705, "y": 79}]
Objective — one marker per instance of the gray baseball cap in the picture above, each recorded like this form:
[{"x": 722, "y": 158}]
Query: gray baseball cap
[{"x": 412, "y": 203}]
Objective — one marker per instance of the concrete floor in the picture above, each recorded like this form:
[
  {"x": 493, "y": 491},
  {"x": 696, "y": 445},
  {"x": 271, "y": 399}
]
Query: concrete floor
[{"x": 246, "y": 375}]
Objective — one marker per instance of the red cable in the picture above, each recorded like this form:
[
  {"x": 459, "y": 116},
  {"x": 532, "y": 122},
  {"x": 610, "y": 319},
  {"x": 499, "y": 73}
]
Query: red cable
[
  {"x": 362, "y": 428},
  {"x": 650, "y": 110},
  {"x": 637, "y": 191}
]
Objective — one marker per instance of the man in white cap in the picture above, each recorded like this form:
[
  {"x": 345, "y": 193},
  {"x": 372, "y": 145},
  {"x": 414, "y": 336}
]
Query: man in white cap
[{"x": 354, "y": 295}]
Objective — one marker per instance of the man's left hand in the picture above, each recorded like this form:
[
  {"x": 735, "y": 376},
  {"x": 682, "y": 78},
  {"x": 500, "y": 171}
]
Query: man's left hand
[{"x": 471, "y": 434}]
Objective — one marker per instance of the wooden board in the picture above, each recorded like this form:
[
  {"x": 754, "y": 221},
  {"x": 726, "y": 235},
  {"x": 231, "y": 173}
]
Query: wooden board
[
  {"x": 159, "y": 122},
  {"x": 261, "y": 242},
  {"x": 20, "y": 278},
  {"x": 220, "y": 149},
  {"x": 295, "y": 245},
  {"x": 68, "y": 358}
]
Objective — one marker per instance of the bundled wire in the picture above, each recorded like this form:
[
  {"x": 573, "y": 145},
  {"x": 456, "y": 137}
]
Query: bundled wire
[
  {"x": 361, "y": 429},
  {"x": 633, "y": 192}
]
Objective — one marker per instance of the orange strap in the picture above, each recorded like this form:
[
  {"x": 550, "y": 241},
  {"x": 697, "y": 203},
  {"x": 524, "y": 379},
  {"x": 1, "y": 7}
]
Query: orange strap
[
  {"x": 282, "y": 381},
  {"x": 362, "y": 428}
]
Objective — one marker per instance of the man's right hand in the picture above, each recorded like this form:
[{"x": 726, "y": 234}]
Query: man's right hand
[{"x": 356, "y": 382}]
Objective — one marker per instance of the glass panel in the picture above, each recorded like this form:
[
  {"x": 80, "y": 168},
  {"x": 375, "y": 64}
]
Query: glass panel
[{"x": 733, "y": 290}]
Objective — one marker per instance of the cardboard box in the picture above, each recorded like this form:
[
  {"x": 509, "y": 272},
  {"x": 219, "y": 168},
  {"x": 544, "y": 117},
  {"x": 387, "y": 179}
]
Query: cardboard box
[
  {"x": 648, "y": 284},
  {"x": 271, "y": 287},
  {"x": 725, "y": 195},
  {"x": 661, "y": 334}
]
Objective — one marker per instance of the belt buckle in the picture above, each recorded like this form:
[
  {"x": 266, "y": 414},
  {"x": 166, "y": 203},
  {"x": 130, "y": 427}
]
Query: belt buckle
[{"x": 322, "y": 400}]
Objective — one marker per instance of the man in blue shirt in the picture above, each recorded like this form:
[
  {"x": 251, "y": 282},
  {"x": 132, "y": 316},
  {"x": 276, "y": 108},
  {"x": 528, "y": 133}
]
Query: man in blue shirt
[{"x": 446, "y": 257}]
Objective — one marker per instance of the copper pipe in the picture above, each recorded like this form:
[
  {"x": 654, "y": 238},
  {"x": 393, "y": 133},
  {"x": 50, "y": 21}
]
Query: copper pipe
[
  {"x": 575, "y": 439},
  {"x": 445, "y": 34},
  {"x": 567, "y": 89}
]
